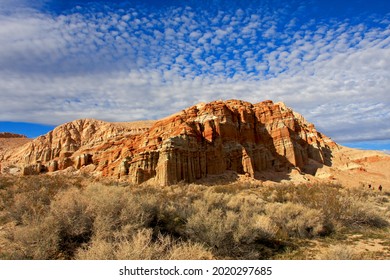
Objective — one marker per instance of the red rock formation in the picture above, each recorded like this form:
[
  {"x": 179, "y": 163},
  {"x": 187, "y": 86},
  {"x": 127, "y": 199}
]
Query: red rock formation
[
  {"x": 202, "y": 140},
  {"x": 219, "y": 136}
]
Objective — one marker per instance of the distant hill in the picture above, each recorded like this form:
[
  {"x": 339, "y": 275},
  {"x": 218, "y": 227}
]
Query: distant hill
[{"x": 11, "y": 135}]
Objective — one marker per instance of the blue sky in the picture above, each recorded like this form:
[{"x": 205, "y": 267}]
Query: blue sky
[{"x": 131, "y": 60}]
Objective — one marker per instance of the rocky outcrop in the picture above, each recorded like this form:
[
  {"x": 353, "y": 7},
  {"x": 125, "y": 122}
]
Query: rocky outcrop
[
  {"x": 75, "y": 144},
  {"x": 11, "y": 135},
  {"x": 205, "y": 139},
  {"x": 234, "y": 135}
]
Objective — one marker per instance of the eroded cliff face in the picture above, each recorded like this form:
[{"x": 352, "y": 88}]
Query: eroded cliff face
[
  {"x": 205, "y": 139},
  {"x": 76, "y": 144},
  {"x": 212, "y": 138}
]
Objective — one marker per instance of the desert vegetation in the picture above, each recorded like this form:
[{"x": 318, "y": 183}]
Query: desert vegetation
[{"x": 80, "y": 217}]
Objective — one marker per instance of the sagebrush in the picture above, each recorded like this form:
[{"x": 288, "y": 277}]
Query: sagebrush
[{"x": 57, "y": 217}]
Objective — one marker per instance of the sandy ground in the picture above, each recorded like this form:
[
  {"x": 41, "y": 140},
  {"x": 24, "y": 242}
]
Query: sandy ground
[{"x": 356, "y": 246}]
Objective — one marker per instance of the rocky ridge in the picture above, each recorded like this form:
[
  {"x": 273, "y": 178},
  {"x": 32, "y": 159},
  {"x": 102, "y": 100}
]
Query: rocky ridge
[
  {"x": 11, "y": 135},
  {"x": 203, "y": 140}
]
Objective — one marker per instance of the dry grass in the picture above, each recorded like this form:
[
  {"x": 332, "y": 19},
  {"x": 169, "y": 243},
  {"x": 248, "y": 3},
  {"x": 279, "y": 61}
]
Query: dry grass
[
  {"x": 142, "y": 245},
  {"x": 339, "y": 252},
  {"x": 54, "y": 217},
  {"x": 296, "y": 220}
]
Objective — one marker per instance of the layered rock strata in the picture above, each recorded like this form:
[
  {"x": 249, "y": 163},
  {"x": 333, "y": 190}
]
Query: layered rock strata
[
  {"x": 209, "y": 139},
  {"x": 205, "y": 139}
]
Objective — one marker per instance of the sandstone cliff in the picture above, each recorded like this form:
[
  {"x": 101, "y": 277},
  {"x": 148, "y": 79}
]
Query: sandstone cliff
[
  {"x": 205, "y": 139},
  {"x": 211, "y": 138}
]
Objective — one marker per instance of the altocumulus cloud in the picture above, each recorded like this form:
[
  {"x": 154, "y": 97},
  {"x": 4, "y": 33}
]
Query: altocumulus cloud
[{"x": 123, "y": 62}]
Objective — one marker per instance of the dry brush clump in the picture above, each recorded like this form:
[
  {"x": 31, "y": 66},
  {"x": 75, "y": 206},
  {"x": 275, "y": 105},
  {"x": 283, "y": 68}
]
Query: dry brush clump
[
  {"x": 296, "y": 220},
  {"x": 24, "y": 198},
  {"x": 141, "y": 245},
  {"x": 339, "y": 252},
  {"x": 339, "y": 207},
  {"x": 231, "y": 224},
  {"x": 57, "y": 217},
  {"x": 37, "y": 240}
]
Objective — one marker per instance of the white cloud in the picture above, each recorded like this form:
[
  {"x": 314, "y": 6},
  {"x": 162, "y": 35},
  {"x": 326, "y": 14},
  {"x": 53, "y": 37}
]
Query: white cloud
[{"x": 130, "y": 64}]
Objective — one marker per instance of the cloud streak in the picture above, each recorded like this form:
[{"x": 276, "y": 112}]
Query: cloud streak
[{"x": 123, "y": 64}]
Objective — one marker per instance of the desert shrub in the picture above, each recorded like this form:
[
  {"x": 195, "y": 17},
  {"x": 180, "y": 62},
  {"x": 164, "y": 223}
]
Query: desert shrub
[
  {"x": 211, "y": 226},
  {"x": 233, "y": 227},
  {"x": 339, "y": 207},
  {"x": 254, "y": 228},
  {"x": 281, "y": 193},
  {"x": 74, "y": 221},
  {"x": 55, "y": 217},
  {"x": 316, "y": 196},
  {"x": 252, "y": 225},
  {"x": 358, "y": 213},
  {"x": 170, "y": 218},
  {"x": 116, "y": 211},
  {"x": 28, "y": 198},
  {"x": 44, "y": 223},
  {"x": 296, "y": 220},
  {"x": 6, "y": 181},
  {"x": 339, "y": 252},
  {"x": 232, "y": 188},
  {"x": 215, "y": 199},
  {"x": 189, "y": 251},
  {"x": 142, "y": 247},
  {"x": 98, "y": 249},
  {"x": 27, "y": 206},
  {"x": 248, "y": 202},
  {"x": 37, "y": 240}
]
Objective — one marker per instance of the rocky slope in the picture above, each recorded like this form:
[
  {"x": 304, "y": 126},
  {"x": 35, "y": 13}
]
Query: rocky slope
[
  {"x": 9, "y": 142},
  {"x": 203, "y": 140}
]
